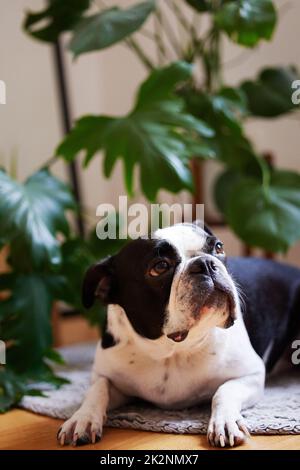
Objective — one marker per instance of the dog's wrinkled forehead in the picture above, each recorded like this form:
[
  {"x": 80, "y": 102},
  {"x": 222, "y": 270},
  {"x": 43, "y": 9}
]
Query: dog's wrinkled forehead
[{"x": 188, "y": 239}]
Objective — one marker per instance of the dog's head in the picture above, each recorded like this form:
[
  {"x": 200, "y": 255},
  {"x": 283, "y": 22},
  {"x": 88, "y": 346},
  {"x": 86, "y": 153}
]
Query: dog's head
[{"x": 167, "y": 284}]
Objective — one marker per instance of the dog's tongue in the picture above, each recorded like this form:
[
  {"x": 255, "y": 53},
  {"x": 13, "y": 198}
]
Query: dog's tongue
[{"x": 178, "y": 336}]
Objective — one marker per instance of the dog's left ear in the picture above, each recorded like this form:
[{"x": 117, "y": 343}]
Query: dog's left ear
[
  {"x": 98, "y": 283},
  {"x": 200, "y": 223}
]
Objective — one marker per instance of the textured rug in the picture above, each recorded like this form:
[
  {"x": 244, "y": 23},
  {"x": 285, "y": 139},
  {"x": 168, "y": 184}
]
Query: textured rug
[{"x": 277, "y": 413}]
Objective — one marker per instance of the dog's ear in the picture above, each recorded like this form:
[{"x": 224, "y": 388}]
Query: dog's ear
[
  {"x": 98, "y": 283},
  {"x": 208, "y": 230},
  {"x": 200, "y": 223}
]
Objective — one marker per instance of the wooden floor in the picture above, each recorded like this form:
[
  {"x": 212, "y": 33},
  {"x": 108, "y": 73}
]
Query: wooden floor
[{"x": 23, "y": 430}]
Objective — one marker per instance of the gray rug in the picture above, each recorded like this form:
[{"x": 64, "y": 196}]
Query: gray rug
[{"x": 277, "y": 413}]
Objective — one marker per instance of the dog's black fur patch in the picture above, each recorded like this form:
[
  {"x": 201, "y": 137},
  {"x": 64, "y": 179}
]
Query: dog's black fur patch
[
  {"x": 144, "y": 298},
  {"x": 271, "y": 292},
  {"x": 107, "y": 339}
]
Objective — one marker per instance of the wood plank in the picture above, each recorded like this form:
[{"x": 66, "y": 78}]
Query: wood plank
[{"x": 24, "y": 430}]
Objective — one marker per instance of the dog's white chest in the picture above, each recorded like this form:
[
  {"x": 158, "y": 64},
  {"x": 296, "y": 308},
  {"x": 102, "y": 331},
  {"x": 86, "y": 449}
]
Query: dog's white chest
[
  {"x": 182, "y": 379},
  {"x": 172, "y": 382},
  {"x": 168, "y": 374}
]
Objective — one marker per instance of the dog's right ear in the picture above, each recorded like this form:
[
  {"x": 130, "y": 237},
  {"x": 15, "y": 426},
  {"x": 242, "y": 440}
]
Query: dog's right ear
[
  {"x": 200, "y": 223},
  {"x": 97, "y": 283}
]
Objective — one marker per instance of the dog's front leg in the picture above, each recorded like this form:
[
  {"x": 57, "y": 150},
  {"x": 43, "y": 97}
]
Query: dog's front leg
[
  {"x": 85, "y": 426},
  {"x": 227, "y": 426}
]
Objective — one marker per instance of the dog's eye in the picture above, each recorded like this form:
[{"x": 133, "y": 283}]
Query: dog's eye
[
  {"x": 219, "y": 248},
  {"x": 159, "y": 268}
]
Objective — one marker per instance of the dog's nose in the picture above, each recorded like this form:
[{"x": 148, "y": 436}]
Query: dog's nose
[{"x": 202, "y": 266}]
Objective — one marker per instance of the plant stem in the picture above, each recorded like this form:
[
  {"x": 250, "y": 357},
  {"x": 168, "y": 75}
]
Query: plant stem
[
  {"x": 13, "y": 170},
  {"x": 216, "y": 61},
  {"x": 167, "y": 28},
  {"x": 196, "y": 22},
  {"x": 147, "y": 34},
  {"x": 266, "y": 176},
  {"x": 49, "y": 162},
  {"x": 189, "y": 27},
  {"x": 208, "y": 49},
  {"x": 211, "y": 60},
  {"x": 132, "y": 44},
  {"x": 238, "y": 60},
  {"x": 161, "y": 50}
]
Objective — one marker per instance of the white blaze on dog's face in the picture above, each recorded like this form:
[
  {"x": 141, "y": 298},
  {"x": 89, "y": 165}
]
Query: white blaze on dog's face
[
  {"x": 202, "y": 292},
  {"x": 173, "y": 285}
]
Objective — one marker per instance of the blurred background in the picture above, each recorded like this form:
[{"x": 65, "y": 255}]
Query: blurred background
[{"x": 105, "y": 83}]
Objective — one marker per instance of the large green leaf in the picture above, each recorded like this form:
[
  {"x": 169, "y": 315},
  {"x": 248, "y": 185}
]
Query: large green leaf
[
  {"x": 224, "y": 186},
  {"x": 12, "y": 389},
  {"x": 27, "y": 326},
  {"x": 229, "y": 104},
  {"x": 270, "y": 94},
  {"x": 247, "y": 21},
  {"x": 266, "y": 217},
  {"x": 162, "y": 82},
  {"x": 31, "y": 215},
  {"x": 78, "y": 256},
  {"x": 109, "y": 27},
  {"x": 224, "y": 109},
  {"x": 158, "y": 135},
  {"x": 224, "y": 112},
  {"x": 14, "y": 385},
  {"x": 59, "y": 16}
]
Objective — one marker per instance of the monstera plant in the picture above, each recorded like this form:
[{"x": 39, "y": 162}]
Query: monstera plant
[{"x": 176, "y": 117}]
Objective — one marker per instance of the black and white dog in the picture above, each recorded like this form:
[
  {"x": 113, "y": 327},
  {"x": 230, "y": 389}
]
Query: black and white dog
[{"x": 175, "y": 334}]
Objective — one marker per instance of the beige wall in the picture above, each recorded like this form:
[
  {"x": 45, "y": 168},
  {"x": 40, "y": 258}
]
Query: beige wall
[{"x": 105, "y": 83}]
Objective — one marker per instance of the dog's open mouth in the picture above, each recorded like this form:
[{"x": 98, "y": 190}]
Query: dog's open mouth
[{"x": 178, "y": 336}]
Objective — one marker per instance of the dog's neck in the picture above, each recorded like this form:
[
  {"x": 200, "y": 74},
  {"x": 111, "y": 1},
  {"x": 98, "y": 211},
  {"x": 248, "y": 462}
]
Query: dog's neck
[{"x": 198, "y": 340}]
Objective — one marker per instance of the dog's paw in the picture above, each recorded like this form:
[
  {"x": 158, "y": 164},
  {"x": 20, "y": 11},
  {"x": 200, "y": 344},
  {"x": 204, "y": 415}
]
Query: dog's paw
[
  {"x": 227, "y": 430},
  {"x": 82, "y": 428}
]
